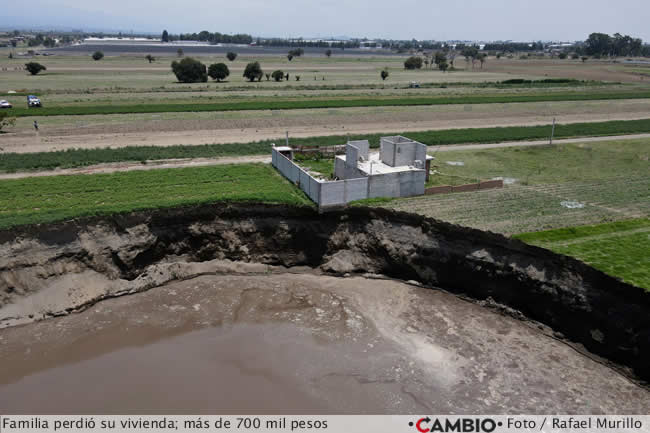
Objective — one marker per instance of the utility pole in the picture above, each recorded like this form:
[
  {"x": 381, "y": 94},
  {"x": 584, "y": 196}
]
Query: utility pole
[
  {"x": 287, "y": 138},
  {"x": 552, "y": 132}
]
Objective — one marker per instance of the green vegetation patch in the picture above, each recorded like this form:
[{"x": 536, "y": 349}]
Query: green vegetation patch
[
  {"x": 620, "y": 249},
  {"x": 535, "y": 165},
  {"x": 47, "y": 199},
  {"x": 12, "y": 162},
  {"x": 306, "y": 103}
]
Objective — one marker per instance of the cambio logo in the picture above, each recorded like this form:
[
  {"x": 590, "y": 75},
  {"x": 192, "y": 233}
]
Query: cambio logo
[{"x": 461, "y": 425}]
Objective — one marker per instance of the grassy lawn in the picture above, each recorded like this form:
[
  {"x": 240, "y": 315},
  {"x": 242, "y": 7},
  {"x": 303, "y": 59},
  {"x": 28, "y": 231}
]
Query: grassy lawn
[
  {"x": 526, "y": 163},
  {"x": 39, "y": 200},
  {"x": 621, "y": 249}
]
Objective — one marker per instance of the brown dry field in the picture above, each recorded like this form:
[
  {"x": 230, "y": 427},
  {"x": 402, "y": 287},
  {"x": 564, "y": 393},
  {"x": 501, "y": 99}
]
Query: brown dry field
[{"x": 167, "y": 129}]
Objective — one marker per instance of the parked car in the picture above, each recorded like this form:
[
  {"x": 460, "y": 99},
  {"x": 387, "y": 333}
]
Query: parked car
[
  {"x": 33, "y": 101},
  {"x": 414, "y": 85},
  {"x": 5, "y": 104}
]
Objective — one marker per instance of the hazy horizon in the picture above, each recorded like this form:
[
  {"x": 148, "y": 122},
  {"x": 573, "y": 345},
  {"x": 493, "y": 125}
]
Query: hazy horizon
[{"x": 424, "y": 20}]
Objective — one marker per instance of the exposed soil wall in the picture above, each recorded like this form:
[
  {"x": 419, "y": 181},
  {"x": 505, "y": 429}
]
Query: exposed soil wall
[{"x": 95, "y": 258}]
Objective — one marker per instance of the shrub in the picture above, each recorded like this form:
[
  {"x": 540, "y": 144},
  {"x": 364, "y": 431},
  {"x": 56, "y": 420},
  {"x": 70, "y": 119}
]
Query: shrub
[
  {"x": 277, "y": 75},
  {"x": 563, "y": 56},
  {"x": 575, "y": 56},
  {"x": 231, "y": 56},
  {"x": 34, "y": 68},
  {"x": 218, "y": 71},
  {"x": 253, "y": 71},
  {"x": 328, "y": 53},
  {"x": 98, "y": 55},
  {"x": 189, "y": 70},
  {"x": 384, "y": 73},
  {"x": 413, "y": 62},
  {"x": 5, "y": 120},
  {"x": 150, "y": 58}
]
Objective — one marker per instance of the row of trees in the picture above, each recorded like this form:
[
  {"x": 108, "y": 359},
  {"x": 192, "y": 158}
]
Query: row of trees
[
  {"x": 601, "y": 44},
  {"x": 190, "y": 70},
  {"x": 206, "y": 36}
]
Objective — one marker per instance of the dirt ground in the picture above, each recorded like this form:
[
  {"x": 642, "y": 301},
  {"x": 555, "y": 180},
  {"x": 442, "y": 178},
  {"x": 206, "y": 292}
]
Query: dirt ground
[
  {"x": 265, "y": 159},
  {"x": 305, "y": 123},
  {"x": 300, "y": 343}
]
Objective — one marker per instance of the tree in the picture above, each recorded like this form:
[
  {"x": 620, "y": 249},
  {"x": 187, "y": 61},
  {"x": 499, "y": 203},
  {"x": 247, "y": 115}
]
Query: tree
[
  {"x": 443, "y": 66},
  {"x": 150, "y": 58},
  {"x": 6, "y": 121},
  {"x": 598, "y": 43},
  {"x": 297, "y": 77},
  {"x": 49, "y": 42},
  {"x": 575, "y": 56},
  {"x": 384, "y": 74},
  {"x": 563, "y": 56},
  {"x": 413, "y": 62},
  {"x": 290, "y": 57},
  {"x": 470, "y": 53},
  {"x": 584, "y": 58},
  {"x": 179, "y": 52},
  {"x": 253, "y": 71},
  {"x": 189, "y": 70},
  {"x": 328, "y": 53},
  {"x": 165, "y": 36},
  {"x": 218, "y": 71},
  {"x": 297, "y": 52},
  {"x": 34, "y": 68},
  {"x": 98, "y": 55},
  {"x": 231, "y": 56},
  {"x": 287, "y": 76},
  {"x": 268, "y": 77},
  {"x": 440, "y": 57},
  {"x": 482, "y": 57}
]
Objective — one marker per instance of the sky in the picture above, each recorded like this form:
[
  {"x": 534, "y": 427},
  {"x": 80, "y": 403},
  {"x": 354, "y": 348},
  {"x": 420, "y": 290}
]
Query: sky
[{"x": 519, "y": 20}]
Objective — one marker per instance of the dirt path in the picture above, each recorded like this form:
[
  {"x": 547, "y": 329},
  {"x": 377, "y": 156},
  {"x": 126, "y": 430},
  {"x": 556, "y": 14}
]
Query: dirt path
[
  {"x": 197, "y": 132},
  {"x": 265, "y": 159}
]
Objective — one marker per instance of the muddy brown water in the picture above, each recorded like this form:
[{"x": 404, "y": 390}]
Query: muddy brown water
[{"x": 300, "y": 343}]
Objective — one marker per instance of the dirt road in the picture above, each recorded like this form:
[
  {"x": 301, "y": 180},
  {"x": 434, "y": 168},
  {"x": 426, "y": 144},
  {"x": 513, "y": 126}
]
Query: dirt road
[
  {"x": 266, "y": 159},
  {"x": 88, "y": 132}
]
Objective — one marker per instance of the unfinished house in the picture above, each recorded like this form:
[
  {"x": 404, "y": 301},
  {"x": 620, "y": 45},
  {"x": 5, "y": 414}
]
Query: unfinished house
[{"x": 399, "y": 169}]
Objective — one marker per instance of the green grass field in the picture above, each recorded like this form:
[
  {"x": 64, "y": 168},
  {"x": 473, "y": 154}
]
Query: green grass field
[
  {"x": 621, "y": 249},
  {"x": 606, "y": 181},
  {"x": 40, "y": 200},
  {"x": 12, "y": 162},
  {"x": 307, "y": 103}
]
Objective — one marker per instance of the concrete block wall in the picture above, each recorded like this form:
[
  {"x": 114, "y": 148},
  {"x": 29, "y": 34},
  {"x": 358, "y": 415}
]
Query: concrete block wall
[
  {"x": 295, "y": 174},
  {"x": 399, "y": 151},
  {"x": 387, "y": 152},
  {"x": 323, "y": 193},
  {"x": 363, "y": 146},
  {"x": 356, "y": 189}
]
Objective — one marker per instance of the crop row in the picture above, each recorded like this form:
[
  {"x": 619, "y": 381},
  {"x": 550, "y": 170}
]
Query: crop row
[
  {"x": 38, "y": 199},
  {"x": 12, "y": 162},
  {"x": 320, "y": 103}
]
